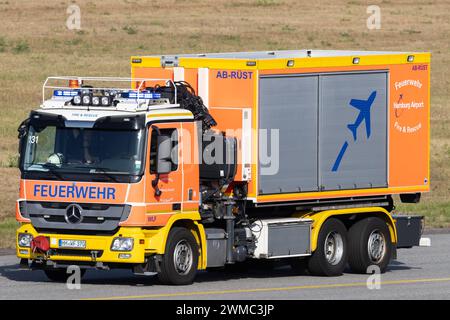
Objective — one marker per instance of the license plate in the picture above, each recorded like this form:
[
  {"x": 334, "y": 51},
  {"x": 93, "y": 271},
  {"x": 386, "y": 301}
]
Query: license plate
[{"x": 72, "y": 243}]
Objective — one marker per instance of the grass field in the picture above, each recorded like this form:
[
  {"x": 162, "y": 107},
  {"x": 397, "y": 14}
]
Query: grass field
[{"x": 35, "y": 43}]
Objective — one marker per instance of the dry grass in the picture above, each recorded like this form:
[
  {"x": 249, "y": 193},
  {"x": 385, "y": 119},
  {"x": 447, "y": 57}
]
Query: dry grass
[
  {"x": 35, "y": 43},
  {"x": 8, "y": 195},
  {"x": 9, "y": 191}
]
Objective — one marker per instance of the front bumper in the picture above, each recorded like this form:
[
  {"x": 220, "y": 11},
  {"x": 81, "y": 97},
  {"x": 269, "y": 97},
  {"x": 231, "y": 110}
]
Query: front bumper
[{"x": 97, "y": 249}]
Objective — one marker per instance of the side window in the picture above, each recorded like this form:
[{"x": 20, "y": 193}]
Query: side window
[
  {"x": 43, "y": 142},
  {"x": 173, "y": 134}
]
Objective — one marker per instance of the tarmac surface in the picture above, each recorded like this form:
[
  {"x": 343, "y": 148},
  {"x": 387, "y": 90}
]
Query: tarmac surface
[{"x": 418, "y": 273}]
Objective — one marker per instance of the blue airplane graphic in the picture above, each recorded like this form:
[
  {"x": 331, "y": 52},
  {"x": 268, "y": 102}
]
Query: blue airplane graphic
[{"x": 364, "y": 114}]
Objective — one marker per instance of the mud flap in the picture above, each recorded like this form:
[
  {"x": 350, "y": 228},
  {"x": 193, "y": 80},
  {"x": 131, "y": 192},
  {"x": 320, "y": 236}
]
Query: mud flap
[{"x": 409, "y": 230}]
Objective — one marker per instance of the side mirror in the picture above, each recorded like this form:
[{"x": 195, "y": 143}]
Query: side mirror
[
  {"x": 22, "y": 130},
  {"x": 163, "y": 158},
  {"x": 163, "y": 154}
]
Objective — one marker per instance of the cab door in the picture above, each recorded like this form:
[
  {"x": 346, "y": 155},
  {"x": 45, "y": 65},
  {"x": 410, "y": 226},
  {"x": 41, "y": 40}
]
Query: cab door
[{"x": 177, "y": 190}]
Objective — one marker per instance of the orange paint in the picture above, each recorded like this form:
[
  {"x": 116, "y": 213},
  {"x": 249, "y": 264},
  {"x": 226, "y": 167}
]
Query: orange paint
[
  {"x": 189, "y": 154},
  {"x": 158, "y": 220},
  {"x": 19, "y": 217},
  {"x": 409, "y": 125},
  {"x": 229, "y": 120},
  {"x": 153, "y": 73},
  {"x": 78, "y": 192},
  {"x": 191, "y": 77},
  {"x": 231, "y": 88},
  {"x": 408, "y": 153},
  {"x": 136, "y": 217}
]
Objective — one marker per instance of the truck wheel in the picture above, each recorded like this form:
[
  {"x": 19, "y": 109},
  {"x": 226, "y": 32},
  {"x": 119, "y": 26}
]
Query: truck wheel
[
  {"x": 60, "y": 274},
  {"x": 369, "y": 244},
  {"x": 330, "y": 257},
  {"x": 180, "y": 261}
]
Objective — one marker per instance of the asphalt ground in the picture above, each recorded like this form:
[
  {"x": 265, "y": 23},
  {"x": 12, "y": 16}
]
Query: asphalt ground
[{"x": 418, "y": 273}]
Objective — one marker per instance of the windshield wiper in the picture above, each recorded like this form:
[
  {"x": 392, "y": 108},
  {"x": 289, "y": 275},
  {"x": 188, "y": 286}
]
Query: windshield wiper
[
  {"x": 51, "y": 168},
  {"x": 105, "y": 172}
]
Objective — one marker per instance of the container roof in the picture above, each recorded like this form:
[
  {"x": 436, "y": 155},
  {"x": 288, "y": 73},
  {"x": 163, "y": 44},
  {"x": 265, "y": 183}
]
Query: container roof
[{"x": 284, "y": 54}]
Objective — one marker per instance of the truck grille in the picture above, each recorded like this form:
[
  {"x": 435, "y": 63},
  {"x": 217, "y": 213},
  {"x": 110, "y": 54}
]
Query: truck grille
[{"x": 89, "y": 217}]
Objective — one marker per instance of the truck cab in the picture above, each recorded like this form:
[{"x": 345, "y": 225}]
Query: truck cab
[{"x": 99, "y": 182}]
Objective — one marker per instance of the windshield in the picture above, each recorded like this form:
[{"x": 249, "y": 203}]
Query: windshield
[{"x": 83, "y": 150}]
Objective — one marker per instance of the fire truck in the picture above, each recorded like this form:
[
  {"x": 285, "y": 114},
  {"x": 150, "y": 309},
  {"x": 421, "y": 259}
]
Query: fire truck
[{"x": 202, "y": 161}]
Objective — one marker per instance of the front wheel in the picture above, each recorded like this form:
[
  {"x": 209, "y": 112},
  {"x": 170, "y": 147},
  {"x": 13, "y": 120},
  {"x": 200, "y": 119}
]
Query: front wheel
[
  {"x": 180, "y": 260},
  {"x": 330, "y": 257},
  {"x": 369, "y": 245}
]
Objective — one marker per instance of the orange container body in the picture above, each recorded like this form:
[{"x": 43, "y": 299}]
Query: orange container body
[{"x": 230, "y": 85}]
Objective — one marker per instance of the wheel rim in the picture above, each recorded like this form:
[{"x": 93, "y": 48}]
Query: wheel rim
[
  {"x": 334, "y": 248},
  {"x": 183, "y": 257},
  {"x": 376, "y": 246}
]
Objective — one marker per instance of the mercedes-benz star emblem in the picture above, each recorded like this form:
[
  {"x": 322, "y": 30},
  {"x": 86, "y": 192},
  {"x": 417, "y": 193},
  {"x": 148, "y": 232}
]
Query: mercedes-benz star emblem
[{"x": 73, "y": 214}]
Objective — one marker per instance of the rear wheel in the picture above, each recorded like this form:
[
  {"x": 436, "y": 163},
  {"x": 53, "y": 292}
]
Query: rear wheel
[
  {"x": 369, "y": 244},
  {"x": 60, "y": 274},
  {"x": 180, "y": 261},
  {"x": 330, "y": 257}
]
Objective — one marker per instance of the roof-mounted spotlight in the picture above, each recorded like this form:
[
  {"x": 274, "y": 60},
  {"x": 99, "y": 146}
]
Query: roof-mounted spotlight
[
  {"x": 290, "y": 63},
  {"x": 96, "y": 101},
  {"x": 105, "y": 101},
  {"x": 356, "y": 60},
  {"x": 86, "y": 100},
  {"x": 410, "y": 59},
  {"x": 76, "y": 100}
]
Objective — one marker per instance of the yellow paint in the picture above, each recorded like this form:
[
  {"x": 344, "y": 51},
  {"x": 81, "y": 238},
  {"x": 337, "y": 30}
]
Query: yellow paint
[
  {"x": 180, "y": 114},
  {"x": 201, "y": 239},
  {"x": 340, "y": 193},
  {"x": 344, "y": 61},
  {"x": 154, "y": 241},
  {"x": 274, "y": 289},
  {"x": 102, "y": 243},
  {"x": 193, "y": 216},
  {"x": 281, "y": 63},
  {"x": 320, "y": 217},
  {"x": 146, "y": 62}
]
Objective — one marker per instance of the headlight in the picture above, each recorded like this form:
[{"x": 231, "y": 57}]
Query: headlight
[
  {"x": 122, "y": 244},
  {"x": 25, "y": 239}
]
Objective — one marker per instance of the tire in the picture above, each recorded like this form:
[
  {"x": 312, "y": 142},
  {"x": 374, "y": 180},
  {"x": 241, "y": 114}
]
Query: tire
[
  {"x": 330, "y": 261},
  {"x": 60, "y": 274},
  {"x": 371, "y": 232},
  {"x": 181, "y": 246}
]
